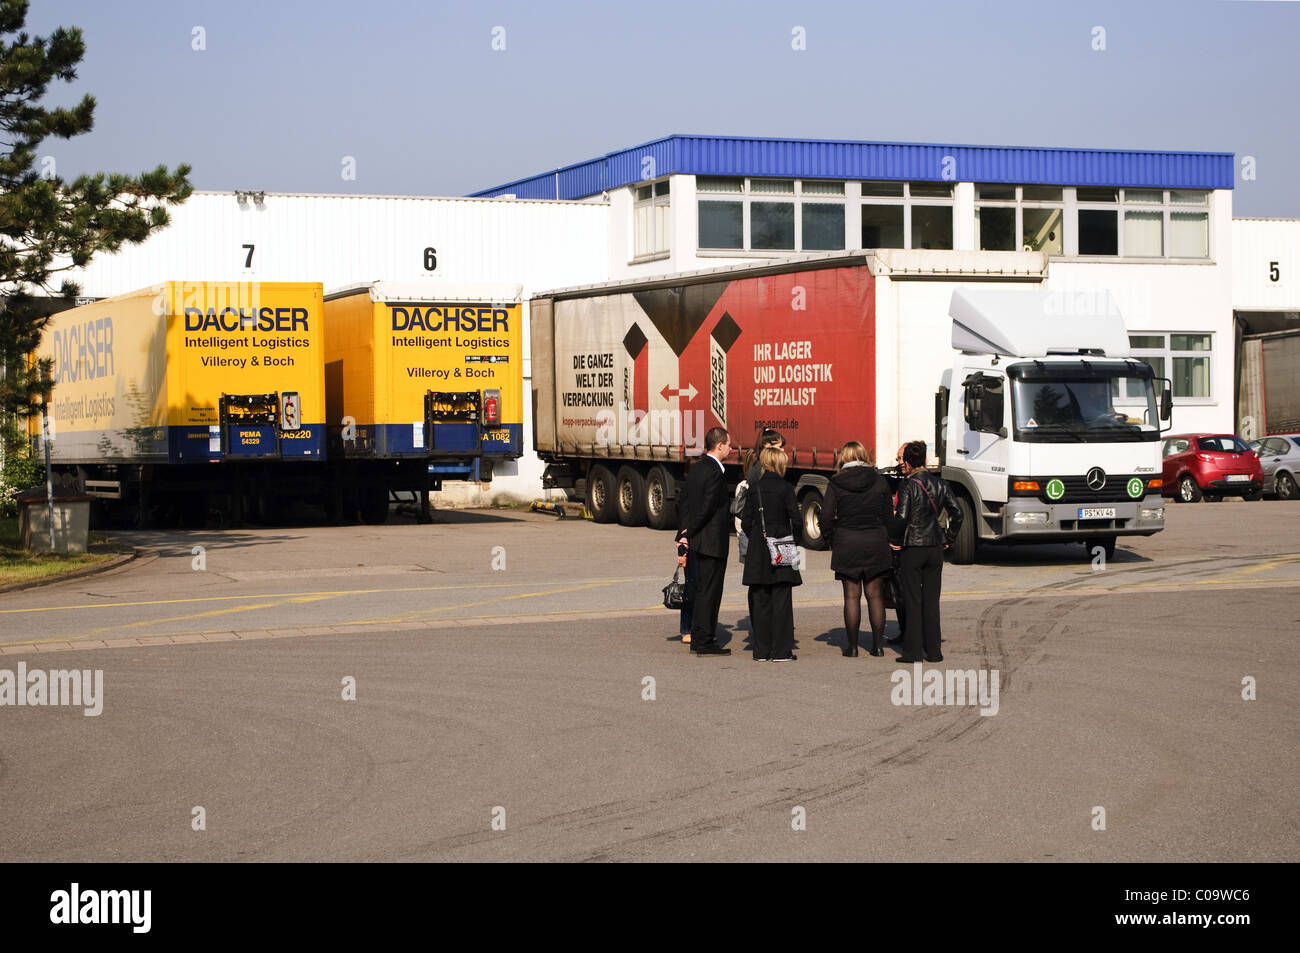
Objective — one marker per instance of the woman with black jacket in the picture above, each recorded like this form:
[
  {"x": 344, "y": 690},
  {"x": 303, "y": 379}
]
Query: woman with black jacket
[
  {"x": 854, "y": 517},
  {"x": 771, "y": 587},
  {"x": 916, "y": 531}
]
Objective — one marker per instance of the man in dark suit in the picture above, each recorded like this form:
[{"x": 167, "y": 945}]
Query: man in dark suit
[{"x": 706, "y": 530}]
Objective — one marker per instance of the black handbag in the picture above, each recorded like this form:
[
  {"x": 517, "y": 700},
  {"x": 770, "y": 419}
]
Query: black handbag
[
  {"x": 893, "y": 585},
  {"x": 675, "y": 592}
]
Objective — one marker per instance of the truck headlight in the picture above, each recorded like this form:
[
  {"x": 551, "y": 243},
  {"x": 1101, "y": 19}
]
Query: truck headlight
[
  {"x": 1030, "y": 517},
  {"x": 1155, "y": 514}
]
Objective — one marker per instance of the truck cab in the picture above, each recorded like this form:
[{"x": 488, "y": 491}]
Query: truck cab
[{"x": 1045, "y": 427}]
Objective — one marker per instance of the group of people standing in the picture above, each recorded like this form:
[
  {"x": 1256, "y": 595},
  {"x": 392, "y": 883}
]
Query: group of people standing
[{"x": 874, "y": 530}]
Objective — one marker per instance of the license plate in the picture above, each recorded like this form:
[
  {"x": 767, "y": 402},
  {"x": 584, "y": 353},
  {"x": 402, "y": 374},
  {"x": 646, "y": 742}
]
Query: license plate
[
  {"x": 1238, "y": 477},
  {"x": 1096, "y": 512}
]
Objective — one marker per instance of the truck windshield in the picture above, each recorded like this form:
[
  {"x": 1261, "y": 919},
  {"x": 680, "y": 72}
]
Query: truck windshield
[{"x": 1054, "y": 409}]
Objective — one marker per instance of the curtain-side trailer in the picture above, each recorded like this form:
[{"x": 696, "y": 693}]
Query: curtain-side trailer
[{"x": 628, "y": 378}]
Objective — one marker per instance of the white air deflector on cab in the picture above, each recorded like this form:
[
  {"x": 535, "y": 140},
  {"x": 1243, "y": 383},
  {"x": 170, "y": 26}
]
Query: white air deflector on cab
[{"x": 1037, "y": 323}]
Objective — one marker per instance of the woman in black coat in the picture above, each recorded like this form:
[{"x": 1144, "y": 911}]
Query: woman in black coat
[
  {"x": 854, "y": 519},
  {"x": 771, "y": 587}
]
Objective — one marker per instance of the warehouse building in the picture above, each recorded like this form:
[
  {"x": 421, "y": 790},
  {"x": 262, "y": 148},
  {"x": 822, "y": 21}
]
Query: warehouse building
[{"x": 1154, "y": 228}]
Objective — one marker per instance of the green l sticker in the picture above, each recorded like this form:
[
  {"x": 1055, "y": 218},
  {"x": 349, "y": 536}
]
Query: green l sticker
[{"x": 1055, "y": 489}]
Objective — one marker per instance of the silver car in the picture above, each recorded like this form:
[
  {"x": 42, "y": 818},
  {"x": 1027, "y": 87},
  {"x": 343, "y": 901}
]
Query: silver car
[{"x": 1279, "y": 457}]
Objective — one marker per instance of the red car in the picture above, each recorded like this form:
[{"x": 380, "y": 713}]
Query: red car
[{"x": 1211, "y": 466}]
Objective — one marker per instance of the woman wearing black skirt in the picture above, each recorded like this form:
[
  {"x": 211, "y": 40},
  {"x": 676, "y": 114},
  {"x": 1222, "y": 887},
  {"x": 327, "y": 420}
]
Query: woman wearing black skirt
[
  {"x": 771, "y": 587},
  {"x": 853, "y": 521}
]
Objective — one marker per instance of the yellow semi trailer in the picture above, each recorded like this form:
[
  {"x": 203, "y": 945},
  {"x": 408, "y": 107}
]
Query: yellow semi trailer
[
  {"x": 425, "y": 376},
  {"x": 155, "y": 387}
]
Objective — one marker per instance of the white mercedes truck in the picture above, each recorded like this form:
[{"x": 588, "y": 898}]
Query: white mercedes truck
[{"x": 1046, "y": 428}]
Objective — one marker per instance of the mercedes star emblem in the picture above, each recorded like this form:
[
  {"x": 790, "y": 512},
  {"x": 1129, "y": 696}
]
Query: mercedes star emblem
[{"x": 1096, "y": 478}]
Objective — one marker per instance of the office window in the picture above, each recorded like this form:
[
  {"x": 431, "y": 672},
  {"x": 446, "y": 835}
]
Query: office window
[
  {"x": 823, "y": 226},
  {"x": 882, "y": 226},
  {"x": 888, "y": 207},
  {"x": 1157, "y": 223},
  {"x": 650, "y": 219},
  {"x": 1011, "y": 217},
  {"x": 931, "y": 226},
  {"x": 771, "y": 225},
  {"x": 770, "y": 214},
  {"x": 1183, "y": 357}
]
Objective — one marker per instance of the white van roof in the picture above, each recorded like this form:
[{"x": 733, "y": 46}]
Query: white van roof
[{"x": 1037, "y": 323}]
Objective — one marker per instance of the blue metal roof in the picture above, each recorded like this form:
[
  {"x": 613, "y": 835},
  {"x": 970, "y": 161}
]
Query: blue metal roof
[{"x": 914, "y": 161}]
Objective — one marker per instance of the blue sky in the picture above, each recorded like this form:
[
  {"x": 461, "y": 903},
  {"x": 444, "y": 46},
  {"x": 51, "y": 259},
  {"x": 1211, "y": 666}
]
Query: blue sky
[{"x": 417, "y": 95}]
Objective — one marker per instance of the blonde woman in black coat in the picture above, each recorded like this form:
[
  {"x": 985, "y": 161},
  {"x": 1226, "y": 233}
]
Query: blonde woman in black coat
[
  {"x": 771, "y": 587},
  {"x": 854, "y": 519}
]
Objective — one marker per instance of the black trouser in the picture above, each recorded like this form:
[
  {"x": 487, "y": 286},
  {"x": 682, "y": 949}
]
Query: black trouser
[
  {"x": 708, "y": 597},
  {"x": 692, "y": 584},
  {"x": 920, "y": 571},
  {"x": 773, "y": 620}
]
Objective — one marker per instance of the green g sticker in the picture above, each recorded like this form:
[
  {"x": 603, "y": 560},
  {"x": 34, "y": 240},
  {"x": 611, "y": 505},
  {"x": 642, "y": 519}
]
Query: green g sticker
[
  {"x": 1055, "y": 489},
  {"x": 1136, "y": 487}
]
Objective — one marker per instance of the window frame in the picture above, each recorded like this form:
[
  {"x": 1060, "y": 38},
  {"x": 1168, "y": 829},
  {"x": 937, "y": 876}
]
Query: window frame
[
  {"x": 1167, "y": 353},
  {"x": 1126, "y": 203},
  {"x": 1020, "y": 203},
  {"x": 908, "y": 202},
  {"x": 797, "y": 199},
  {"x": 656, "y": 200}
]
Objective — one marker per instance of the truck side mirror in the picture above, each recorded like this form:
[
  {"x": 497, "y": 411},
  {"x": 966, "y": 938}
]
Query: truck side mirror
[{"x": 1166, "y": 403}]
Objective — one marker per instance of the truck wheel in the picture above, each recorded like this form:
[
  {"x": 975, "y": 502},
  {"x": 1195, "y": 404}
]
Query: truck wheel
[
  {"x": 1107, "y": 544},
  {"x": 1188, "y": 491},
  {"x": 600, "y": 494},
  {"x": 374, "y": 505},
  {"x": 810, "y": 509},
  {"x": 194, "y": 512},
  {"x": 660, "y": 511},
  {"x": 963, "y": 547},
  {"x": 630, "y": 496},
  {"x": 1253, "y": 494},
  {"x": 1285, "y": 486}
]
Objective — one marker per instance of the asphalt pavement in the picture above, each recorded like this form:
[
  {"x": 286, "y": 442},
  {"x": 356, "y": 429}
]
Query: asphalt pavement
[{"x": 519, "y": 695}]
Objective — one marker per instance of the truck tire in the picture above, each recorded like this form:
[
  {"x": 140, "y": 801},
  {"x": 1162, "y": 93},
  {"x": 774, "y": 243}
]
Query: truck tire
[
  {"x": 962, "y": 549},
  {"x": 629, "y": 496},
  {"x": 1285, "y": 487},
  {"x": 1107, "y": 544},
  {"x": 1188, "y": 491},
  {"x": 600, "y": 494},
  {"x": 374, "y": 505},
  {"x": 810, "y": 511},
  {"x": 1253, "y": 494},
  {"x": 660, "y": 511}
]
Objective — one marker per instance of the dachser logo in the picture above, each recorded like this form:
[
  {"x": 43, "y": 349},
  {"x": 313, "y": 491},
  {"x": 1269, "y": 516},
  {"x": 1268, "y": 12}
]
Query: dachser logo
[
  {"x": 450, "y": 318},
  {"x": 246, "y": 319},
  {"x": 77, "y": 906}
]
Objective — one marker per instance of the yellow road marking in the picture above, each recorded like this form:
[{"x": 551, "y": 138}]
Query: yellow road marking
[
  {"x": 282, "y": 595},
  {"x": 211, "y": 613}
]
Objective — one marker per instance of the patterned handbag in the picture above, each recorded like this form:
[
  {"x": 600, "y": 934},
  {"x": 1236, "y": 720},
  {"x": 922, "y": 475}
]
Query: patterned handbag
[{"x": 783, "y": 551}]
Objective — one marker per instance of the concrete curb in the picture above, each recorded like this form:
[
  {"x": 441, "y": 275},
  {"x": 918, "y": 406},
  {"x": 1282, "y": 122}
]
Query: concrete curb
[{"x": 75, "y": 574}]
